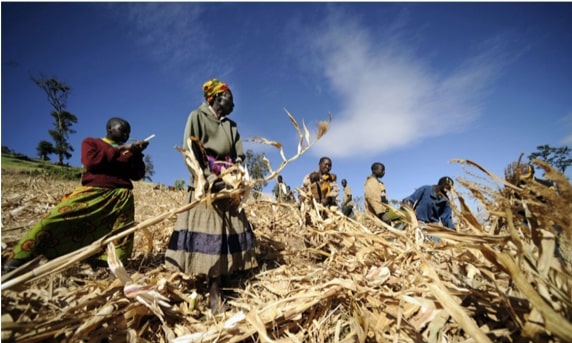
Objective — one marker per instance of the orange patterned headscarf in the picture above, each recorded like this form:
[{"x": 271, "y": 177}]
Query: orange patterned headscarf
[{"x": 213, "y": 87}]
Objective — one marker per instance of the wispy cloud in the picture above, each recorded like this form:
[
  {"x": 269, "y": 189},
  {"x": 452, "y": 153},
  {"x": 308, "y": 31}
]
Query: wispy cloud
[
  {"x": 169, "y": 31},
  {"x": 567, "y": 121},
  {"x": 174, "y": 35},
  {"x": 389, "y": 97}
]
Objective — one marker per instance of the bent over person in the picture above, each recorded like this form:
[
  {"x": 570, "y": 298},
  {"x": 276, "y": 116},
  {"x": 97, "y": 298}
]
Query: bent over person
[
  {"x": 431, "y": 203},
  {"x": 102, "y": 204},
  {"x": 213, "y": 239}
]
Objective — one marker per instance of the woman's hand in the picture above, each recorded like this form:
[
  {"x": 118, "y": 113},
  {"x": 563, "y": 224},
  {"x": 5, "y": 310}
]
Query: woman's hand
[
  {"x": 215, "y": 183},
  {"x": 135, "y": 147}
]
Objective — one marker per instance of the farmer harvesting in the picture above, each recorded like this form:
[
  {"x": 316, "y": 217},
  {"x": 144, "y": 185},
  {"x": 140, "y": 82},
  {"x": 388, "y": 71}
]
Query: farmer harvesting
[
  {"x": 213, "y": 239},
  {"x": 281, "y": 191},
  {"x": 321, "y": 184},
  {"x": 102, "y": 204},
  {"x": 375, "y": 194},
  {"x": 347, "y": 200},
  {"x": 431, "y": 203}
]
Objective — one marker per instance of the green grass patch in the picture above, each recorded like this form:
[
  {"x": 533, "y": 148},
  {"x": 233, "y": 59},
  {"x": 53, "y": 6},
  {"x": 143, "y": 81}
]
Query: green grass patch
[{"x": 24, "y": 165}]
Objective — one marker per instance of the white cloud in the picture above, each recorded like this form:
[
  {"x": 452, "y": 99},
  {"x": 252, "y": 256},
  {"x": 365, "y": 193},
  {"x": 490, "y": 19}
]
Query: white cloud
[{"x": 389, "y": 98}]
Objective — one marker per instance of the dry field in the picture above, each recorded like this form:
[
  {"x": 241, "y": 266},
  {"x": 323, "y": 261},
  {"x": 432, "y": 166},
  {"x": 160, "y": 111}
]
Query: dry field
[{"x": 334, "y": 280}]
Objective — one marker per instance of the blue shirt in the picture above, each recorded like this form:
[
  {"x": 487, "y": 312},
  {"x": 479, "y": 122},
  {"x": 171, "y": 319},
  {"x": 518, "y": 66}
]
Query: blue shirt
[{"x": 431, "y": 207}]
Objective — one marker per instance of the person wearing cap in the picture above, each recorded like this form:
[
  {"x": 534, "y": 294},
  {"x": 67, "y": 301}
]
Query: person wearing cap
[
  {"x": 431, "y": 203},
  {"x": 213, "y": 239}
]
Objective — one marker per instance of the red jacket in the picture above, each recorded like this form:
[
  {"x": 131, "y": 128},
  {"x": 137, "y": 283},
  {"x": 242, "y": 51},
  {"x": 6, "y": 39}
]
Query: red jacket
[{"x": 106, "y": 166}]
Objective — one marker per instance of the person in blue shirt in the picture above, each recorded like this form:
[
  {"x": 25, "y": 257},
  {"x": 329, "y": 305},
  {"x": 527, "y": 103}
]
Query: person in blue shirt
[{"x": 431, "y": 203}]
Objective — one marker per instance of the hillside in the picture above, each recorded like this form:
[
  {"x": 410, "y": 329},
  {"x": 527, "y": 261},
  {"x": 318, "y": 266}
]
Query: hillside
[
  {"x": 21, "y": 164},
  {"x": 333, "y": 280}
]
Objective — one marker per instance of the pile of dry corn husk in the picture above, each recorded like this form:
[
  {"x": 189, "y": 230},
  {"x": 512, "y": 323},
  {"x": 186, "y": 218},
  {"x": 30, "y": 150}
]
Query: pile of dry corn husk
[
  {"x": 505, "y": 278},
  {"x": 332, "y": 280}
]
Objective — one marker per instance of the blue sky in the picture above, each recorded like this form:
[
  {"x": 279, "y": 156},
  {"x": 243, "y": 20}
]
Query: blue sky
[{"x": 412, "y": 85}]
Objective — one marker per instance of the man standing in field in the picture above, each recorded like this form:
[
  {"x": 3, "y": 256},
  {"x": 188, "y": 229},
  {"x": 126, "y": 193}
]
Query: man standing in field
[
  {"x": 376, "y": 202},
  {"x": 321, "y": 185},
  {"x": 280, "y": 190},
  {"x": 347, "y": 202}
]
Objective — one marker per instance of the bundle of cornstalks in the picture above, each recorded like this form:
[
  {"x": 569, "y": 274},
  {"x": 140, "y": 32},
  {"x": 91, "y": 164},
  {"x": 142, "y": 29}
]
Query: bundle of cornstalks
[{"x": 322, "y": 277}]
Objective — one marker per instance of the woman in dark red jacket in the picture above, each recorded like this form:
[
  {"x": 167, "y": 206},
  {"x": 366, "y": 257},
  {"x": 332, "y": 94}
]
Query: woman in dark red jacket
[{"x": 104, "y": 201}]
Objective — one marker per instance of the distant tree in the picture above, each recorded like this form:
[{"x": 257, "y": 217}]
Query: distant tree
[
  {"x": 10, "y": 63},
  {"x": 180, "y": 184},
  {"x": 559, "y": 158},
  {"x": 257, "y": 169},
  {"x": 58, "y": 93},
  {"x": 149, "y": 168},
  {"x": 45, "y": 149},
  {"x": 6, "y": 150}
]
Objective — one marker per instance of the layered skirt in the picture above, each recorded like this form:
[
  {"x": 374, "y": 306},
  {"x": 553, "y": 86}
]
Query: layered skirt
[{"x": 212, "y": 239}]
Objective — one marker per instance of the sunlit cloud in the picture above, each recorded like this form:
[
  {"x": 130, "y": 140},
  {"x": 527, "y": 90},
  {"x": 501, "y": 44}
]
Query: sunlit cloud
[{"x": 389, "y": 97}]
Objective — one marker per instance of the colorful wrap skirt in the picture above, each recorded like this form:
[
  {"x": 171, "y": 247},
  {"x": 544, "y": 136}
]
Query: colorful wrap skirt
[
  {"x": 212, "y": 240},
  {"x": 82, "y": 217}
]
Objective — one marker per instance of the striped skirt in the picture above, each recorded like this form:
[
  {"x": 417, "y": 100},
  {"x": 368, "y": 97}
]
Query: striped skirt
[
  {"x": 212, "y": 240},
  {"x": 82, "y": 217}
]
